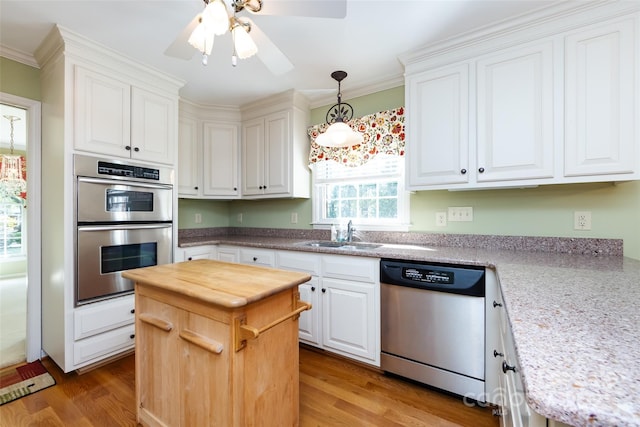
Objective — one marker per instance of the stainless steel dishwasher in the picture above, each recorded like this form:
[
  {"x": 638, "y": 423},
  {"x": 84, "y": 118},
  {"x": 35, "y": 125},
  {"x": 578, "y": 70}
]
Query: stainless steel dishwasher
[{"x": 433, "y": 324}]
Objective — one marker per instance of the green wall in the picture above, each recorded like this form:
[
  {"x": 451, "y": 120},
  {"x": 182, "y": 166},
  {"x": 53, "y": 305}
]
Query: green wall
[{"x": 19, "y": 79}]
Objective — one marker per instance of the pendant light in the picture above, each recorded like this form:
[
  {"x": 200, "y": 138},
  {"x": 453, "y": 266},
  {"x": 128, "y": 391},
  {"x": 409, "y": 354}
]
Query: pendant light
[
  {"x": 339, "y": 134},
  {"x": 12, "y": 172}
]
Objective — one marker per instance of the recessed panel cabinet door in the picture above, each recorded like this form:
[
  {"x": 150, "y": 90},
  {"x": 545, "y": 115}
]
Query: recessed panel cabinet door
[
  {"x": 253, "y": 157},
  {"x": 601, "y": 79},
  {"x": 153, "y": 121},
  {"x": 438, "y": 127},
  {"x": 221, "y": 159},
  {"x": 515, "y": 129},
  {"x": 102, "y": 113},
  {"x": 277, "y": 154},
  {"x": 189, "y": 161}
]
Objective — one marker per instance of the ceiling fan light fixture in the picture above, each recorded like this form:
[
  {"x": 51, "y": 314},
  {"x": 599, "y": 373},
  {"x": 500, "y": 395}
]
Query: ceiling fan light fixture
[
  {"x": 243, "y": 44},
  {"x": 339, "y": 134},
  {"x": 216, "y": 17},
  {"x": 202, "y": 39}
]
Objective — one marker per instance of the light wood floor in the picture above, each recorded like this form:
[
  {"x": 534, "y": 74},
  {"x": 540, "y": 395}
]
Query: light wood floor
[{"x": 333, "y": 392}]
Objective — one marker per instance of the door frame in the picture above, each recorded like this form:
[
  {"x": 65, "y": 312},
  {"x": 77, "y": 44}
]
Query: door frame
[{"x": 34, "y": 232}]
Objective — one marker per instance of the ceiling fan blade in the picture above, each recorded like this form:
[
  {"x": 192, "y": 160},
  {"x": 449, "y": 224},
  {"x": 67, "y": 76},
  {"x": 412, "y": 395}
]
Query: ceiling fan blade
[
  {"x": 311, "y": 8},
  {"x": 180, "y": 48},
  {"x": 272, "y": 57}
]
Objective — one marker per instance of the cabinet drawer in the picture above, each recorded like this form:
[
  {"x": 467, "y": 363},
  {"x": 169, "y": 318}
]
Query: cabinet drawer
[
  {"x": 298, "y": 261},
  {"x": 351, "y": 268},
  {"x": 262, "y": 257},
  {"x": 103, "y": 316},
  {"x": 105, "y": 344}
]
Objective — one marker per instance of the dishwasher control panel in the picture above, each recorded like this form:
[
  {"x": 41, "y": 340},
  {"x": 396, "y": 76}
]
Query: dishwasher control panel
[
  {"x": 428, "y": 275},
  {"x": 453, "y": 278}
]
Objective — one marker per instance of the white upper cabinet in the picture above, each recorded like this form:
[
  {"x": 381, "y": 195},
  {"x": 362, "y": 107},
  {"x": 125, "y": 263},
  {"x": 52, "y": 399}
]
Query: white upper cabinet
[
  {"x": 115, "y": 118},
  {"x": 601, "y": 103},
  {"x": 439, "y": 150},
  {"x": 208, "y": 153},
  {"x": 275, "y": 148},
  {"x": 515, "y": 110},
  {"x": 220, "y": 154},
  {"x": 548, "y": 98}
]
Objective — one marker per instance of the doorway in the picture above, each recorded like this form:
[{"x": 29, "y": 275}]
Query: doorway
[{"x": 20, "y": 271}]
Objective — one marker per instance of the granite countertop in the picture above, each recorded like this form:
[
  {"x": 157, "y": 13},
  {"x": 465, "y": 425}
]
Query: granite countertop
[{"x": 575, "y": 321}]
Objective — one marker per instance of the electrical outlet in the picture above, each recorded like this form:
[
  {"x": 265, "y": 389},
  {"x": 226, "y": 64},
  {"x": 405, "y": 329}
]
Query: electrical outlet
[
  {"x": 239, "y": 218},
  {"x": 441, "y": 219},
  {"x": 294, "y": 217},
  {"x": 582, "y": 220},
  {"x": 198, "y": 218},
  {"x": 460, "y": 214}
]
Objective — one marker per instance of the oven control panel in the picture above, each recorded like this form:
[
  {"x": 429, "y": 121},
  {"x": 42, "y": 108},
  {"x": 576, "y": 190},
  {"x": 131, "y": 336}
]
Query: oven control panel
[{"x": 127, "y": 171}]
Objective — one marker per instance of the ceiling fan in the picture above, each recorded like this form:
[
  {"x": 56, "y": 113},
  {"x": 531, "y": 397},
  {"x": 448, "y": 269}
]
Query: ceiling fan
[{"x": 220, "y": 16}]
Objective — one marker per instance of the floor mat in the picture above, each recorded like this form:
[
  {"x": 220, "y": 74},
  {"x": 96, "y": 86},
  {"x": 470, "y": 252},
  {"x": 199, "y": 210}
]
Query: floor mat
[{"x": 23, "y": 380}]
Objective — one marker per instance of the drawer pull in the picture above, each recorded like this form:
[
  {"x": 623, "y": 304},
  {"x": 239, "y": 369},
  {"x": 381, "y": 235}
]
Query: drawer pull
[
  {"x": 201, "y": 341},
  {"x": 245, "y": 332},
  {"x": 496, "y": 353},
  {"x": 506, "y": 367},
  {"x": 497, "y": 304},
  {"x": 156, "y": 321}
]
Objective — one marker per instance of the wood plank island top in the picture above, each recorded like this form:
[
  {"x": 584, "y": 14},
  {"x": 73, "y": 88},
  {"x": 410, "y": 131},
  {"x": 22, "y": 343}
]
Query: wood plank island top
[{"x": 221, "y": 283}]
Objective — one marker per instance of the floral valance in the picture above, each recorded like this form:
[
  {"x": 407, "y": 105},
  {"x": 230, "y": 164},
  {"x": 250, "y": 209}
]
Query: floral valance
[{"x": 383, "y": 133}]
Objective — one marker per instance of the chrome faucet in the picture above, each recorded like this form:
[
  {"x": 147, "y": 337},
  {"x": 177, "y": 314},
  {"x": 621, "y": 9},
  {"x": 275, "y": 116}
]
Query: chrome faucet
[{"x": 350, "y": 230}]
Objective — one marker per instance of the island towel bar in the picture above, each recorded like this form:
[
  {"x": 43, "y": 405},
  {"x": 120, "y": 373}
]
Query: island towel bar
[{"x": 245, "y": 332}]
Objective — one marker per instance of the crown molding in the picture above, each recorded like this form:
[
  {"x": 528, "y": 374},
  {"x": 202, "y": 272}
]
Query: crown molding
[{"x": 18, "y": 56}]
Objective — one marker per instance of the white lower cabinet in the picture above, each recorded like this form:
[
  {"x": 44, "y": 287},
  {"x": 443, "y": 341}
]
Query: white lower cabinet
[
  {"x": 254, "y": 256},
  {"x": 345, "y": 294},
  {"x": 227, "y": 253},
  {"x": 196, "y": 252},
  {"x": 103, "y": 329}
]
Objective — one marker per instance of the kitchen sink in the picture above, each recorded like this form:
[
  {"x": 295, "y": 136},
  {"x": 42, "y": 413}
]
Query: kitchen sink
[{"x": 343, "y": 245}]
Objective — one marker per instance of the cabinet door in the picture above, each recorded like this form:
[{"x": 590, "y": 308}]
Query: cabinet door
[
  {"x": 438, "y": 127},
  {"x": 189, "y": 160},
  {"x": 153, "y": 120},
  {"x": 102, "y": 111},
  {"x": 277, "y": 154},
  {"x": 253, "y": 157},
  {"x": 515, "y": 114},
  {"x": 228, "y": 254},
  {"x": 200, "y": 252},
  {"x": 349, "y": 318},
  {"x": 309, "y": 322},
  {"x": 220, "y": 149},
  {"x": 601, "y": 78},
  {"x": 158, "y": 358}
]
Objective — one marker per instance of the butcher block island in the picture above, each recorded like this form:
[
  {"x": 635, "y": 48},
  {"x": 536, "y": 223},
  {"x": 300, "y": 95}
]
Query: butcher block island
[{"x": 217, "y": 344}]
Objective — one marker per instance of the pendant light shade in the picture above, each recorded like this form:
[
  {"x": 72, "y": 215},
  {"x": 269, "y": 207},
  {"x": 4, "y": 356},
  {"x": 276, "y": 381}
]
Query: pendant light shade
[
  {"x": 216, "y": 17},
  {"x": 244, "y": 45},
  {"x": 339, "y": 134},
  {"x": 202, "y": 39}
]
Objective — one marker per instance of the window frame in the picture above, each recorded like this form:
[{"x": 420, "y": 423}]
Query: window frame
[{"x": 318, "y": 196}]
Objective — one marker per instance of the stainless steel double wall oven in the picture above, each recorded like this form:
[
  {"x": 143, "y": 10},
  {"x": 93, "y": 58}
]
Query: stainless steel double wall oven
[{"x": 124, "y": 220}]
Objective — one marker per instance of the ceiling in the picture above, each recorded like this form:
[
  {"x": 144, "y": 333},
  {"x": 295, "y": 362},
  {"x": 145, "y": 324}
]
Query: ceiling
[{"x": 366, "y": 43}]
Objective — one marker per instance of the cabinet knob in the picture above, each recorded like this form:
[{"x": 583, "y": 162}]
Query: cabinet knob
[
  {"x": 189, "y": 259},
  {"x": 133, "y": 310},
  {"x": 260, "y": 187},
  {"x": 132, "y": 336},
  {"x": 313, "y": 289},
  {"x": 255, "y": 258},
  {"x": 235, "y": 189},
  {"x": 195, "y": 188},
  {"x": 481, "y": 170},
  {"x": 506, "y": 367},
  {"x": 497, "y": 304},
  {"x": 496, "y": 353},
  {"x": 136, "y": 149},
  {"x": 128, "y": 148},
  {"x": 463, "y": 171},
  {"x": 324, "y": 290}
]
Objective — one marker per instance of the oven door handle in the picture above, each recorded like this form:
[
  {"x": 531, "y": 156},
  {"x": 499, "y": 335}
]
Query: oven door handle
[
  {"x": 124, "y": 227},
  {"x": 112, "y": 182}
]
